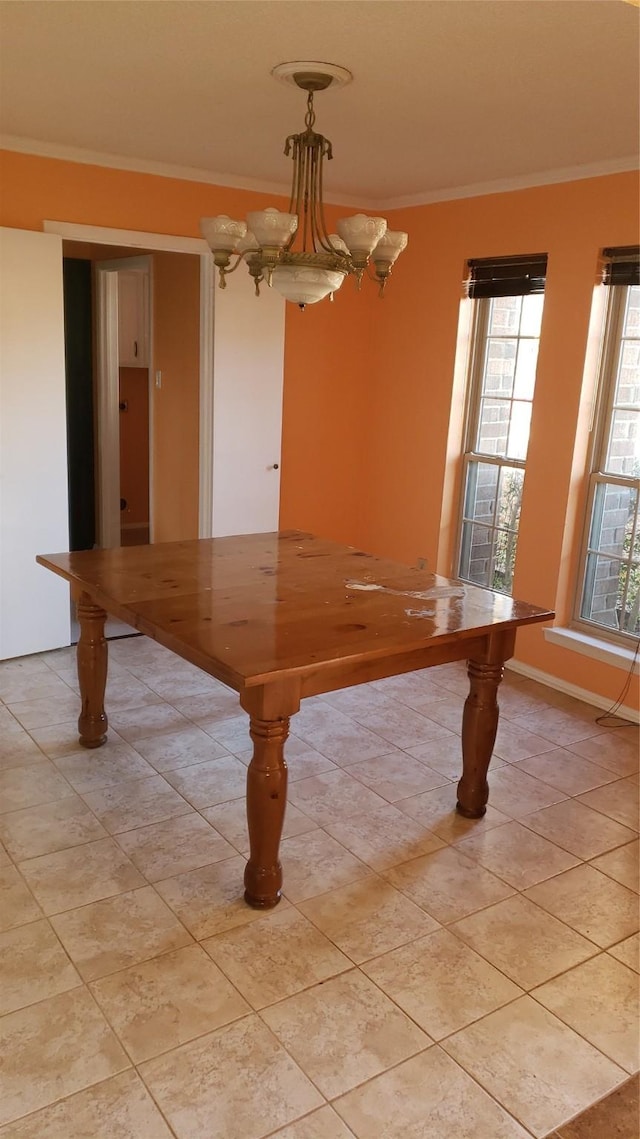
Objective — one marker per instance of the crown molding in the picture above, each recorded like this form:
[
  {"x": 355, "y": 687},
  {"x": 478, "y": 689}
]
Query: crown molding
[
  {"x": 518, "y": 182},
  {"x": 159, "y": 169},
  {"x": 236, "y": 182}
]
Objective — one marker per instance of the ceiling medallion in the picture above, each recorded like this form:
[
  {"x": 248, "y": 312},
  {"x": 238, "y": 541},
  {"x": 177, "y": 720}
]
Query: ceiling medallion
[{"x": 292, "y": 251}]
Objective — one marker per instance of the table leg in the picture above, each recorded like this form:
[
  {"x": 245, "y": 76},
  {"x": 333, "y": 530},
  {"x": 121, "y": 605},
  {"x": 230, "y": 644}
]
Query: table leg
[
  {"x": 266, "y": 802},
  {"x": 479, "y": 727},
  {"x": 92, "y": 672}
]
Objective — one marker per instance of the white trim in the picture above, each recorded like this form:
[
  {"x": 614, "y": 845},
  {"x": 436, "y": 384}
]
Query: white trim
[
  {"x": 108, "y": 415},
  {"x": 101, "y": 235},
  {"x": 598, "y": 701},
  {"x": 619, "y": 656},
  {"x": 169, "y": 243},
  {"x": 190, "y": 174},
  {"x": 506, "y": 185},
  {"x": 205, "y": 497}
]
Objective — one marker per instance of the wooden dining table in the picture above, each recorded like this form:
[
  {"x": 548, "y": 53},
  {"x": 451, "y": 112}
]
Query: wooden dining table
[{"x": 282, "y": 616}]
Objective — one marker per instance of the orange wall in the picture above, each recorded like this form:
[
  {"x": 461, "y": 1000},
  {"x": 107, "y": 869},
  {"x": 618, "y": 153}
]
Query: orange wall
[
  {"x": 368, "y": 429},
  {"x": 412, "y": 394},
  {"x": 176, "y": 353}
]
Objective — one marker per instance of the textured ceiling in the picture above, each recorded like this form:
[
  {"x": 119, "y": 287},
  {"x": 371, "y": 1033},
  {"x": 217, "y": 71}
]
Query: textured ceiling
[{"x": 447, "y": 94}]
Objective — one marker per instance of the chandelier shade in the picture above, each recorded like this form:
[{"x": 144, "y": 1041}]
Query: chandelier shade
[{"x": 291, "y": 250}]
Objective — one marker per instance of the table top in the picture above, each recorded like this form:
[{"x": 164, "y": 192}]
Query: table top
[{"x": 258, "y": 607}]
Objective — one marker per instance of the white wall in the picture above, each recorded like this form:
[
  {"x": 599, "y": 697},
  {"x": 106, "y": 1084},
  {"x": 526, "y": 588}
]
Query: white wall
[
  {"x": 34, "y": 604},
  {"x": 247, "y": 406}
]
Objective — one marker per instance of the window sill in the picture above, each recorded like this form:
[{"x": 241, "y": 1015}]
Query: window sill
[{"x": 616, "y": 655}]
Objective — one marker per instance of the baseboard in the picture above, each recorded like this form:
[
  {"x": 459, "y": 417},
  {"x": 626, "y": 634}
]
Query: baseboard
[{"x": 598, "y": 701}]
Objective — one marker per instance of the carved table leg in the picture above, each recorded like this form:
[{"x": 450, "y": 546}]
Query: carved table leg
[
  {"x": 266, "y": 801},
  {"x": 479, "y": 727},
  {"x": 92, "y": 672}
]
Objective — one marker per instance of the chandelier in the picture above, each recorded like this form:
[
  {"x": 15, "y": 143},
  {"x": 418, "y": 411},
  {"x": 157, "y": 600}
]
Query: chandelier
[{"x": 293, "y": 252}]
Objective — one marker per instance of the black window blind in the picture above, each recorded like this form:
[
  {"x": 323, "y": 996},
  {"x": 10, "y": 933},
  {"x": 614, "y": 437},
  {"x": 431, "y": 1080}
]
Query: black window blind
[
  {"x": 621, "y": 265},
  {"x": 507, "y": 276}
]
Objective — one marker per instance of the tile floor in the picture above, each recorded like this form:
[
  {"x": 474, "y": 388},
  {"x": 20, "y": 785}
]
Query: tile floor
[{"x": 425, "y": 976}]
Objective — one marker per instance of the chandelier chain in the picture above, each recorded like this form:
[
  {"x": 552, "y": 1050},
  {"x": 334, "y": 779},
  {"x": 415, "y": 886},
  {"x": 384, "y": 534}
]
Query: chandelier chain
[{"x": 310, "y": 116}]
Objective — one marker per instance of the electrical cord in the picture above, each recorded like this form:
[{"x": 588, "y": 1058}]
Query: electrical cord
[{"x": 609, "y": 719}]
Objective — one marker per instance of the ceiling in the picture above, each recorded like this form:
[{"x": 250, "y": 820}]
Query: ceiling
[{"x": 449, "y": 96}]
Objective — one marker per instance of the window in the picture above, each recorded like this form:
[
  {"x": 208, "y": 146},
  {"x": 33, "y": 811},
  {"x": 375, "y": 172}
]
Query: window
[
  {"x": 609, "y": 593},
  {"x": 508, "y": 298}
]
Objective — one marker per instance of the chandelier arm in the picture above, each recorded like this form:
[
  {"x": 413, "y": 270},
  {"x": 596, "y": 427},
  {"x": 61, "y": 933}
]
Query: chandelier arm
[
  {"x": 323, "y": 232},
  {"x": 309, "y": 155}
]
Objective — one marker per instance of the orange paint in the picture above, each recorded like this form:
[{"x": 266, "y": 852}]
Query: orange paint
[{"x": 371, "y": 444}]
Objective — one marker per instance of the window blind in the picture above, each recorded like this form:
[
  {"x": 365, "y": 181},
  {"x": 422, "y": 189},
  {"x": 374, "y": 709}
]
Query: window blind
[
  {"x": 621, "y": 265},
  {"x": 507, "y": 276}
]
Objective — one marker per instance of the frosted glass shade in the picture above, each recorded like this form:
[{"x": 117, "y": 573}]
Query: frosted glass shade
[
  {"x": 338, "y": 243},
  {"x": 361, "y": 233},
  {"x": 222, "y": 232},
  {"x": 305, "y": 285},
  {"x": 272, "y": 228},
  {"x": 248, "y": 243},
  {"x": 390, "y": 246}
]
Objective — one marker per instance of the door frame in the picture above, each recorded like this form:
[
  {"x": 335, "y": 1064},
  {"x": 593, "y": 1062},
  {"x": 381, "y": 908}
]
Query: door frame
[{"x": 108, "y": 427}]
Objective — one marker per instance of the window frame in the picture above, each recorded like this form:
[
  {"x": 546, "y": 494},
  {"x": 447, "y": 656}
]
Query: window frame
[
  {"x": 603, "y": 410},
  {"x": 479, "y": 335}
]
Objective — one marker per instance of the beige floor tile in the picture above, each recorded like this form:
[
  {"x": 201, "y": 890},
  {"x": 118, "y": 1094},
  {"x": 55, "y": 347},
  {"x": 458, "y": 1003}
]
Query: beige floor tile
[
  {"x": 174, "y": 846},
  {"x": 367, "y": 918},
  {"x": 126, "y": 692},
  {"x": 314, "y": 863},
  {"x": 618, "y": 800},
  {"x": 235, "y": 1083},
  {"x": 49, "y": 827},
  {"x": 17, "y": 749},
  {"x": 516, "y": 794},
  {"x": 37, "y": 713},
  {"x": 599, "y": 908},
  {"x": 448, "y": 885},
  {"x": 180, "y": 685},
  {"x": 397, "y": 723},
  {"x": 230, "y": 819},
  {"x": 618, "y": 751},
  {"x": 384, "y": 838},
  {"x": 540, "y": 1070},
  {"x": 415, "y": 689},
  {"x": 122, "y": 1104},
  {"x": 321, "y": 1124},
  {"x": 206, "y": 784},
  {"x": 118, "y": 932},
  {"x": 427, "y": 1097},
  {"x": 171, "y": 750},
  {"x": 436, "y": 811},
  {"x": 519, "y": 856},
  {"x": 17, "y": 904},
  {"x": 600, "y": 1000},
  {"x": 578, "y": 829},
  {"x": 442, "y": 754},
  {"x": 514, "y": 743},
  {"x": 4, "y": 857},
  {"x": 336, "y": 735},
  {"x": 622, "y": 865},
  {"x": 210, "y": 900},
  {"x": 52, "y": 1049},
  {"x": 563, "y": 726},
  {"x": 82, "y": 874},
  {"x": 232, "y": 732},
  {"x": 221, "y": 702},
  {"x": 628, "y": 951},
  {"x": 357, "y": 1032},
  {"x": 28, "y": 786},
  {"x": 276, "y": 957},
  {"x": 334, "y": 796},
  {"x": 302, "y": 761},
  {"x": 566, "y": 771},
  {"x": 94, "y": 770},
  {"x": 396, "y": 776},
  {"x": 136, "y": 803},
  {"x": 523, "y": 941},
  {"x": 33, "y": 966},
  {"x": 441, "y": 983},
  {"x": 140, "y": 723},
  {"x": 159, "y": 1004}
]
